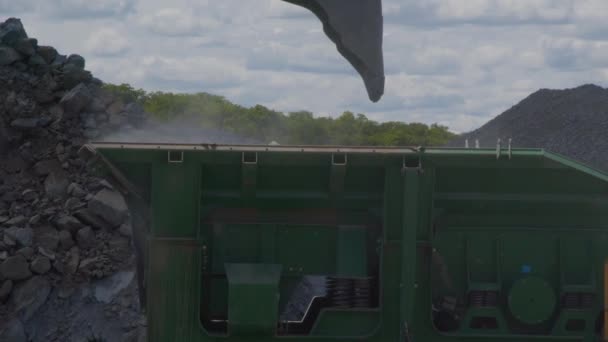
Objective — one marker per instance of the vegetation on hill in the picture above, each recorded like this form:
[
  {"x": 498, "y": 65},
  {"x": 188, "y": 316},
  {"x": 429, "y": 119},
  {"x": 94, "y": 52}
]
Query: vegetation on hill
[{"x": 264, "y": 124}]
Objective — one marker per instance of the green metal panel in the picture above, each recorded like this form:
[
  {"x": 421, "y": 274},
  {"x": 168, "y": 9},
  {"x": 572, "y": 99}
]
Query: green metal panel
[
  {"x": 253, "y": 298},
  {"x": 456, "y": 244}
]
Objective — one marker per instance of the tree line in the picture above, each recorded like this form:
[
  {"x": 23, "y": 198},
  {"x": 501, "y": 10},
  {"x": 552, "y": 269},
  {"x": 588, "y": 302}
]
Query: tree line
[{"x": 266, "y": 125}]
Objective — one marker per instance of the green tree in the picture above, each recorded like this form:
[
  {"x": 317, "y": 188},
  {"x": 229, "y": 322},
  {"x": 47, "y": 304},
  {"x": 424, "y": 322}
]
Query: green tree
[{"x": 296, "y": 128}]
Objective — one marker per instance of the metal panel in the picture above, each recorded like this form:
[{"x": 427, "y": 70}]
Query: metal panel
[{"x": 447, "y": 244}]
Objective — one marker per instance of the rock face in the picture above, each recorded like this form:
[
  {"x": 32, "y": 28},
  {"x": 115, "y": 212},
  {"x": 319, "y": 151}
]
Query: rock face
[
  {"x": 571, "y": 122},
  {"x": 59, "y": 223}
]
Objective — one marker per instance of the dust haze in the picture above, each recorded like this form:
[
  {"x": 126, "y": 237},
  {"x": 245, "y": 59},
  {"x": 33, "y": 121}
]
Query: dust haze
[{"x": 181, "y": 130}]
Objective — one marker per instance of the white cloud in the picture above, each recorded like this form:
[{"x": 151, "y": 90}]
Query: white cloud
[
  {"x": 482, "y": 12},
  {"x": 79, "y": 9},
  {"x": 14, "y": 7},
  {"x": 194, "y": 72},
  {"x": 178, "y": 22},
  {"x": 107, "y": 42}
]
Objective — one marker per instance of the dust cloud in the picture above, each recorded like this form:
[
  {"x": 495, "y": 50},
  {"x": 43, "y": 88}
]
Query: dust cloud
[{"x": 176, "y": 131}]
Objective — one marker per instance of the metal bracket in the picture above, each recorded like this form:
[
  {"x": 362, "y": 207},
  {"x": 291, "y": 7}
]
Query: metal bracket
[
  {"x": 340, "y": 159},
  {"x": 175, "y": 157},
  {"x": 250, "y": 158},
  {"x": 406, "y": 164}
]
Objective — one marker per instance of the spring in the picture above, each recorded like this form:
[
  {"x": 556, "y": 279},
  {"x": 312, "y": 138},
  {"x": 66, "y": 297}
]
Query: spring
[
  {"x": 339, "y": 292},
  {"x": 491, "y": 298},
  {"x": 362, "y": 293},
  {"x": 587, "y": 300},
  {"x": 570, "y": 300},
  {"x": 476, "y": 298}
]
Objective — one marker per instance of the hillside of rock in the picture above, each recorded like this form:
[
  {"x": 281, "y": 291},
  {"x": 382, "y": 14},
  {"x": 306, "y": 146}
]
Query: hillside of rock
[
  {"x": 63, "y": 231},
  {"x": 572, "y": 122}
]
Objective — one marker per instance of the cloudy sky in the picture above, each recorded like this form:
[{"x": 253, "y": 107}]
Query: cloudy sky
[{"x": 453, "y": 62}]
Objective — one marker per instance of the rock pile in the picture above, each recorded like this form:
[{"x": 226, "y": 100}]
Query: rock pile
[
  {"x": 59, "y": 225},
  {"x": 571, "y": 122}
]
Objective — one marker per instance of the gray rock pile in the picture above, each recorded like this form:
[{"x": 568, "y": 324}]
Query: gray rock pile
[
  {"x": 571, "y": 122},
  {"x": 60, "y": 226}
]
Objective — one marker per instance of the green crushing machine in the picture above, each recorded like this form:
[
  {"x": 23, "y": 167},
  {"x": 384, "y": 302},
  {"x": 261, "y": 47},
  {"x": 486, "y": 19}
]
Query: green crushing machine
[{"x": 405, "y": 244}]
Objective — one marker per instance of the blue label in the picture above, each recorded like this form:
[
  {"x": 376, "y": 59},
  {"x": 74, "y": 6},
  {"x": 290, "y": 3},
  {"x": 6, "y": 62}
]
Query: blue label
[{"x": 526, "y": 268}]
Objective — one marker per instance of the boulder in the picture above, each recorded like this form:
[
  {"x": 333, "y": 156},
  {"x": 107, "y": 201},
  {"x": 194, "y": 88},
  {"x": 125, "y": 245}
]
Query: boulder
[
  {"x": 65, "y": 240},
  {"x": 27, "y": 46},
  {"x": 47, "y": 238},
  {"x": 59, "y": 60},
  {"x": 40, "y": 265},
  {"x": 36, "y": 60},
  {"x": 48, "y": 53},
  {"x": 73, "y": 75},
  {"x": 69, "y": 223},
  {"x": 30, "y": 296},
  {"x": 76, "y": 60},
  {"x": 125, "y": 230},
  {"x": 11, "y": 31},
  {"x": 8, "y": 55},
  {"x": 85, "y": 237},
  {"x": 15, "y": 268},
  {"x": 27, "y": 252},
  {"x": 24, "y": 236},
  {"x": 109, "y": 205},
  {"x": 47, "y": 253},
  {"x": 87, "y": 216},
  {"x": 76, "y": 100},
  {"x": 56, "y": 183}
]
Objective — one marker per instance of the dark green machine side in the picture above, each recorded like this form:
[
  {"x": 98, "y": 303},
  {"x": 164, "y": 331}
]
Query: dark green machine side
[{"x": 413, "y": 244}]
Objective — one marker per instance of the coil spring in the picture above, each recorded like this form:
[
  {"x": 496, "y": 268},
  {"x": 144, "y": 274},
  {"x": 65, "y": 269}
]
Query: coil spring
[
  {"x": 491, "y": 298},
  {"x": 349, "y": 293},
  {"x": 476, "y": 298},
  {"x": 339, "y": 292},
  {"x": 574, "y": 300},
  {"x": 587, "y": 300},
  {"x": 483, "y": 298},
  {"x": 570, "y": 300},
  {"x": 362, "y": 296}
]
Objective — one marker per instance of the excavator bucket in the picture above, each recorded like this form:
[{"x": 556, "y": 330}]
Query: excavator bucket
[{"x": 356, "y": 27}]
